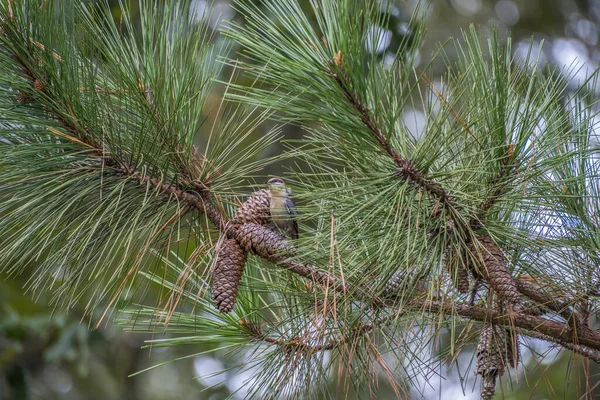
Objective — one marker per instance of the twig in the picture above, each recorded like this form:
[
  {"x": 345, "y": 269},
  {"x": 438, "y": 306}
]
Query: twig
[{"x": 557, "y": 332}]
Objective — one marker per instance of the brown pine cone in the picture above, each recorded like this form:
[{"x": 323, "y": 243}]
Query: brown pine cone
[
  {"x": 229, "y": 267},
  {"x": 397, "y": 282},
  {"x": 490, "y": 263},
  {"x": 489, "y": 360},
  {"x": 255, "y": 210},
  {"x": 456, "y": 264},
  {"x": 258, "y": 239},
  {"x": 496, "y": 350}
]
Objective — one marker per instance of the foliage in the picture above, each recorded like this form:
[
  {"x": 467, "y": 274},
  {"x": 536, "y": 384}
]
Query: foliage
[
  {"x": 108, "y": 173},
  {"x": 87, "y": 146}
]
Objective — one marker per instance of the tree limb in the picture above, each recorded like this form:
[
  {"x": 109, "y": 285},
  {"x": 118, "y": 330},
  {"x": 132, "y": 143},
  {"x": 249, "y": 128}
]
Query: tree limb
[
  {"x": 575, "y": 348},
  {"x": 539, "y": 296}
]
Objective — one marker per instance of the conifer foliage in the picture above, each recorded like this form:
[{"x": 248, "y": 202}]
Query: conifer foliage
[{"x": 481, "y": 227}]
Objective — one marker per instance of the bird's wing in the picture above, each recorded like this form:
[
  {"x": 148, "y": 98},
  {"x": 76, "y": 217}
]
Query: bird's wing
[{"x": 291, "y": 211}]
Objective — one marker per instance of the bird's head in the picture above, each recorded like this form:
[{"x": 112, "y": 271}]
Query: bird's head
[{"x": 277, "y": 186}]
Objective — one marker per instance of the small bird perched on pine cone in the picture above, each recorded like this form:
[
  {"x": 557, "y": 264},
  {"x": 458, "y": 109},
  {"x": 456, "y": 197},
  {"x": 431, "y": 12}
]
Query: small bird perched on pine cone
[{"x": 283, "y": 211}]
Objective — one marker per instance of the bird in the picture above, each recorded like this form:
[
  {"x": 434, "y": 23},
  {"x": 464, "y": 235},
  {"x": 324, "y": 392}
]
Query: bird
[{"x": 283, "y": 211}]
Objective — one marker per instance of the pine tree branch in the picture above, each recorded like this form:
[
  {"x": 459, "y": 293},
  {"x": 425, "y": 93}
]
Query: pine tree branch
[
  {"x": 575, "y": 348},
  {"x": 303, "y": 343},
  {"x": 404, "y": 168},
  {"x": 588, "y": 343},
  {"x": 534, "y": 293},
  {"x": 556, "y": 332},
  {"x": 198, "y": 200},
  {"x": 559, "y": 332},
  {"x": 194, "y": 199},
  {"x": 294, "y": 344}
]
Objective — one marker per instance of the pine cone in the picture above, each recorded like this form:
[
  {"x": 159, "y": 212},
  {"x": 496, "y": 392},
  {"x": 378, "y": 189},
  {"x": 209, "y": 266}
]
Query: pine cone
[
  {"x": 492, "y": 266},
  {"x": 258, "y": 239},
  {"x": 396, "y": 283},
  {"x": 456, "y": 263},
  {"x": 255, "y": 210},
  {"x": 489, "y": 361},
  {"x": 229, "y": 267},
  {"x": 488, "y": 387},
  {"x": 496, "y": 350}
]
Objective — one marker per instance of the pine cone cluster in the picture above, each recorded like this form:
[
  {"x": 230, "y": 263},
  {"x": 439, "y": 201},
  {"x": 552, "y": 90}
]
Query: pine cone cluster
[
  {"x": 229, "y": 267},
  {"x": 247, "y": 233},
  {"x": 491, "y": 265}
]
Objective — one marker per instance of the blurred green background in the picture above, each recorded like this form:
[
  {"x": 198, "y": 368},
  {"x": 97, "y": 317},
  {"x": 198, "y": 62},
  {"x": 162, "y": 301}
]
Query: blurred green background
[{"x": 46, "y": 354}]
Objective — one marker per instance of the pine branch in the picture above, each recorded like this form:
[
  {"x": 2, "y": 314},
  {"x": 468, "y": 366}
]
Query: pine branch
[
  {"x": 533, "y": 292},
  {"x": 199, "y": 199},
  {"x": 556, "y": 332},
  {"x": 405, "y": 168},
  {"x": 574, "y": 347}
]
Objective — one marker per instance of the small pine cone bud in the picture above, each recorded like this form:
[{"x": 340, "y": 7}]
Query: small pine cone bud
[
  {"x": 492, "y": 266},
  {"x": 456, "y": 263},
  {"x": 229, "y": 267},
  {"x": 255, "y": 210},
  {"x": 261, "y": 240}
]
